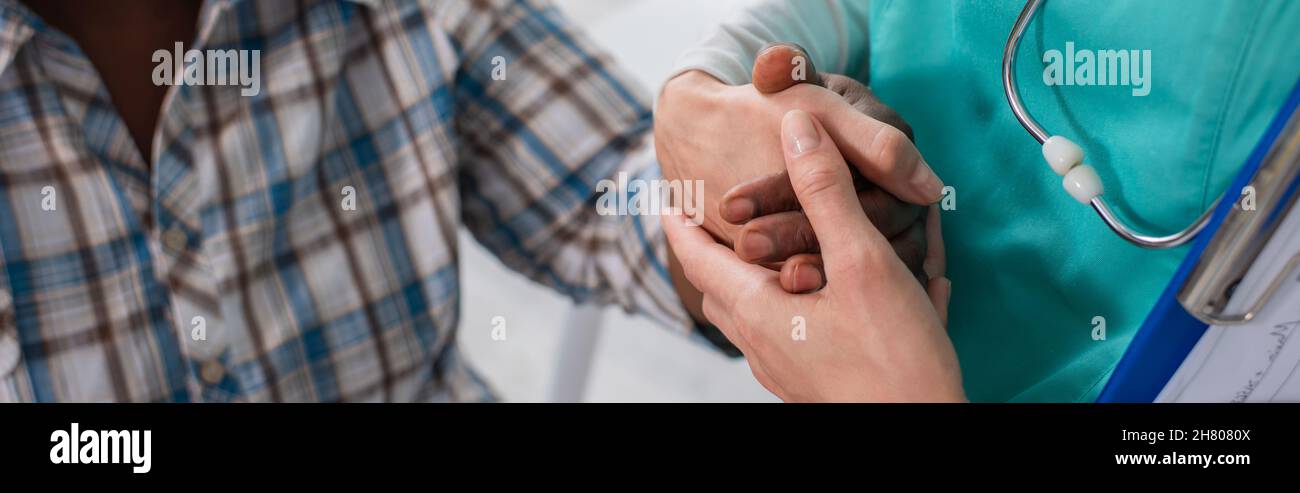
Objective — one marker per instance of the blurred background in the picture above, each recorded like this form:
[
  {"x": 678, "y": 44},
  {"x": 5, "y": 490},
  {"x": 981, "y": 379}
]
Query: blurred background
[{"x": 553, "y": 352}]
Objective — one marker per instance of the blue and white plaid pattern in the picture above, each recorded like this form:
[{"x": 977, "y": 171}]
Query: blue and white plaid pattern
[{"x": 238, "y": 219}]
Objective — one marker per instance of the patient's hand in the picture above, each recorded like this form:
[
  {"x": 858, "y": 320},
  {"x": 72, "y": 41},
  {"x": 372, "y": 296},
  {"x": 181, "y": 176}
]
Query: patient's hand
[{"x": 729, "y": 137}]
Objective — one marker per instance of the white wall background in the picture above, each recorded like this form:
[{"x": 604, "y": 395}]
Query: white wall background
[{"x": 635, "y": 360}]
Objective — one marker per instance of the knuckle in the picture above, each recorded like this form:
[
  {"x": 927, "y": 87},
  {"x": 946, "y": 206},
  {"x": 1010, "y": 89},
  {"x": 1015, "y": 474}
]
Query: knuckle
[
  {"x": 890, "y": 151},
  {"x": 890, "y": 117},
  {"x": 817, "y": 181},
  {"x": 804, "y": 237},
  {"x": 902, "y": 126},
  {"x": 888, "y": 214},
  {"x": 868, "y": 257},
  {"x": 839, "y": 84},
  {"x": 771, "y": 194},
  {"x": 874, "y": 201}
]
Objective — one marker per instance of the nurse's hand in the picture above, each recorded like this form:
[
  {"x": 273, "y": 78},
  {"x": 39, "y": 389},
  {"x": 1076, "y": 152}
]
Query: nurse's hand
[
  {"x": 727, "y": 137},
  {"x": 873, "y": 333}
]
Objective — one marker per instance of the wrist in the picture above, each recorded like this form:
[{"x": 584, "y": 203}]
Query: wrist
[{"x": 689, "y": 89}]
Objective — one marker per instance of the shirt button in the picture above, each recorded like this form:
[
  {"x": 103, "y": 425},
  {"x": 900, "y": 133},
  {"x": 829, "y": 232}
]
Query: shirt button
[
  {"x": 212, "y": 371},
  {"x": 175, "y": 240}
]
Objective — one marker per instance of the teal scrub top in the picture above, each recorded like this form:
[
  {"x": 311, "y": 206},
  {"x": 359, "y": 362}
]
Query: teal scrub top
[{"x": 1032, "y": 269}]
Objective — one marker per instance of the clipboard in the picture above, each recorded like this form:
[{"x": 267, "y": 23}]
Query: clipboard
[{"x": 1171, "y": 330}]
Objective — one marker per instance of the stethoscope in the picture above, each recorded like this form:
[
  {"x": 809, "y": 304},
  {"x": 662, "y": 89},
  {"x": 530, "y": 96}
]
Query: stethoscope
[{"x": 1066, "y": 157}]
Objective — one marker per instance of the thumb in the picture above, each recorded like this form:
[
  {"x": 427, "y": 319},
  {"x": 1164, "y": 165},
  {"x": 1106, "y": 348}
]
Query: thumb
[
  {"x": 780, "y": 66},
  {"x": 822, "y": 182}
]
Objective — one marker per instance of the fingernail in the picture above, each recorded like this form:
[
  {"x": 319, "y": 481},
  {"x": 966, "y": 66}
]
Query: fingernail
[
  {"x": 801, "y": 134},
  {"x": 927, "y": 183},
  {"x": 738, "y": 209},
  {"x": 806, "y": 278},
  {"x": 756, "y": 246}
]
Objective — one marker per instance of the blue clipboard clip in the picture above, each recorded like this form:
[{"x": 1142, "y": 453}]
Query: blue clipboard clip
[{"x": 1219, "y": 259}]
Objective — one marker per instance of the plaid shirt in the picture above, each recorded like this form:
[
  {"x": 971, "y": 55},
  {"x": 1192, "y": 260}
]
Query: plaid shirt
[{"x": 239, "y": 219}]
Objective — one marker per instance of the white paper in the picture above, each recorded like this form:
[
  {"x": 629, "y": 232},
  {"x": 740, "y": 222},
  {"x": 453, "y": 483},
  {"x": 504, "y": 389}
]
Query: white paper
[{"x": 1258, "y": 361}]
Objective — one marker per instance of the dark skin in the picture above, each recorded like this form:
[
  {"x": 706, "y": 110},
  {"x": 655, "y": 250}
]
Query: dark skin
[{"x": 120, "y": 42}]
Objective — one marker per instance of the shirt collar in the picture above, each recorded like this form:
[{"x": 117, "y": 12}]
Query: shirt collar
[{"x": 18, "y": 24}]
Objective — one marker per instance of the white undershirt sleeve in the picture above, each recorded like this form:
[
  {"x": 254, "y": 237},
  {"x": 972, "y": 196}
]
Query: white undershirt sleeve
[{"x": 833, "y": 31}]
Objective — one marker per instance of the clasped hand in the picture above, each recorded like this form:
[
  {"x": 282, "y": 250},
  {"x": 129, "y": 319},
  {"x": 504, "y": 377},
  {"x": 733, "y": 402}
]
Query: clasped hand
[{"x": 853, "y": 237}]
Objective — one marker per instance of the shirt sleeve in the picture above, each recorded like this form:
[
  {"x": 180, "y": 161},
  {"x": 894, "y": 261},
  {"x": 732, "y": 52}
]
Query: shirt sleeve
[
  {"x": 545, "y": 122},
  {"x": 834, "y": 32}
]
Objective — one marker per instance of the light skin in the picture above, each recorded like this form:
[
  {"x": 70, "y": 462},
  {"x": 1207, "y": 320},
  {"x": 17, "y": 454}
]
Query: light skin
[
  {"x": 869, "y": 338},
  {"x": 727, "y": 136}
]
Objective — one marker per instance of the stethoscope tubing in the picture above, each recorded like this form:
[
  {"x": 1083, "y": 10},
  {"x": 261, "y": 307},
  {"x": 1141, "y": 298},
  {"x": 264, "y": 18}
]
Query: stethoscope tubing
[{"x": 1041, "y": 135}]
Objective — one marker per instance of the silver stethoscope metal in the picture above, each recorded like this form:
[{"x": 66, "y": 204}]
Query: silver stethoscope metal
[{"x": 1066, "y": 157}]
